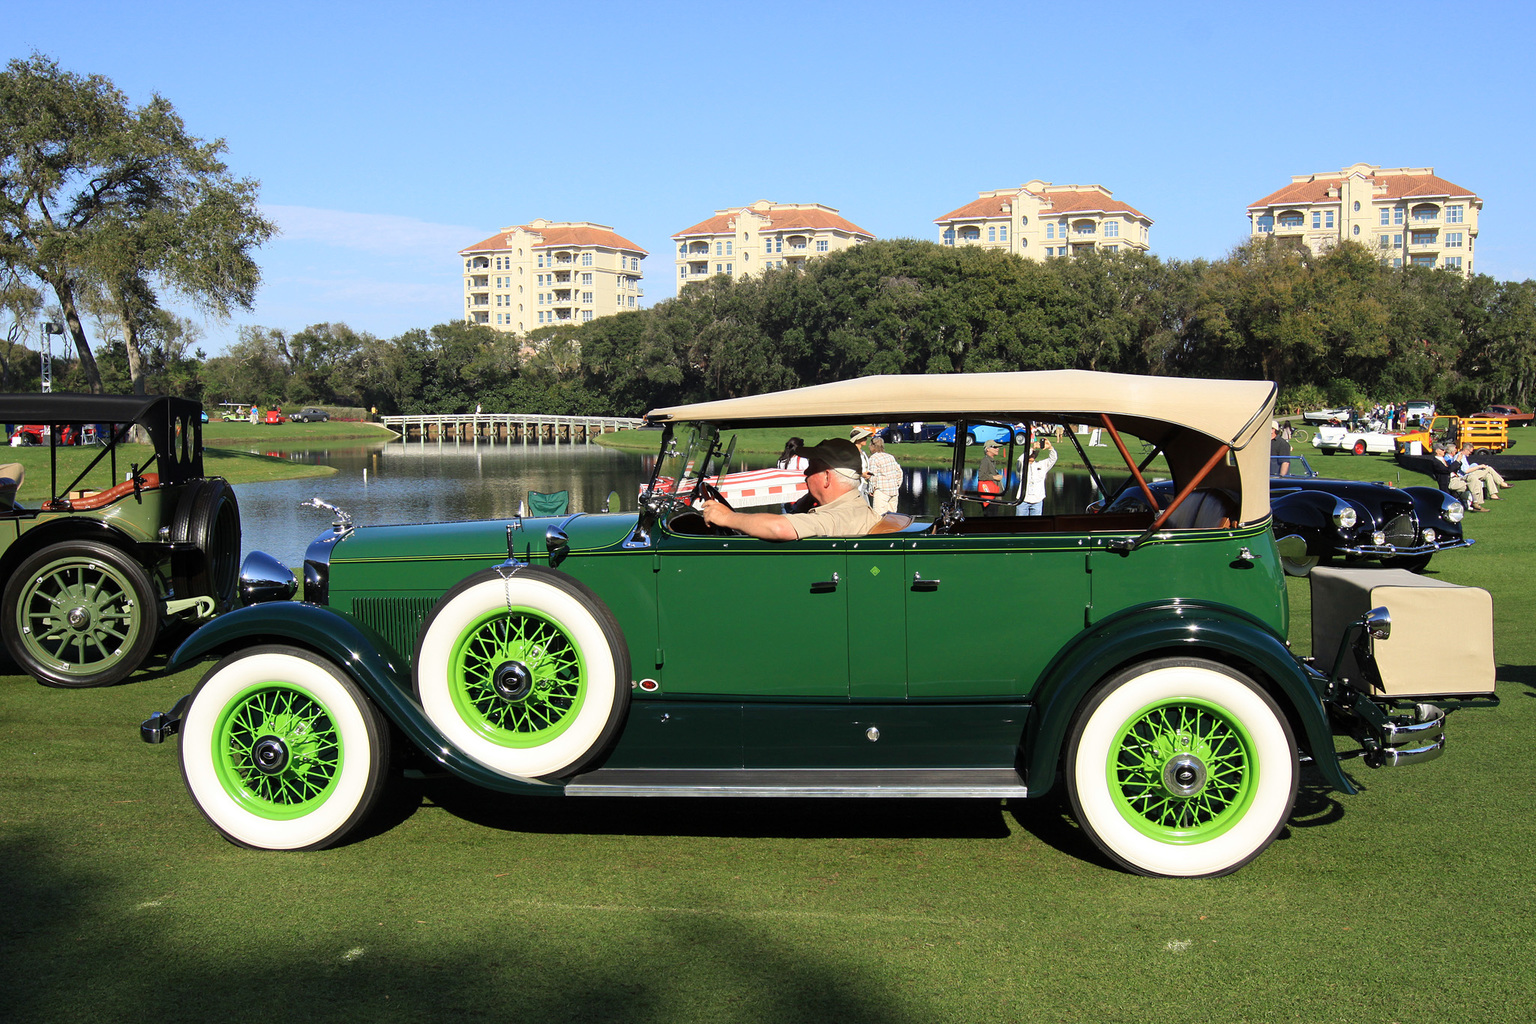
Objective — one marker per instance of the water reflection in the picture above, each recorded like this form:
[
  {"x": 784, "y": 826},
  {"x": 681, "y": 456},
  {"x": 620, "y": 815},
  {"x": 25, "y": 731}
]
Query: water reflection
[{"x": 448, "y": 481}]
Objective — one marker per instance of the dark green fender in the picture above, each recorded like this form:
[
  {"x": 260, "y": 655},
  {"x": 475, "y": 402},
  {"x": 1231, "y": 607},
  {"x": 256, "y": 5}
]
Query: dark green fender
[
  {"x": 362, "y": 654},
  {"x": 1174, "y": 629}
]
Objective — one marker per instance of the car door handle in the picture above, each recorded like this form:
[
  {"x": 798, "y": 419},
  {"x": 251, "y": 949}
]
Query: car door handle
[
  {"x": 826, "y": 586},
  {"x": 918, "y": 583}
]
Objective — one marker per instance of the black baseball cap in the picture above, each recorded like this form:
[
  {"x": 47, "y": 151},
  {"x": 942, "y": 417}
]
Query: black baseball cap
[{"x": 835, "y": 453}]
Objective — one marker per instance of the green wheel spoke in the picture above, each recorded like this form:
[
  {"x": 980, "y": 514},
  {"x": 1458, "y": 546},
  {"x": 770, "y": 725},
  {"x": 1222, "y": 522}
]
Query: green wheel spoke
[
  {"x": 1165, "y": 742},
  {"x": 552, "y": 663},
  {"x": 282, "y": 714}
]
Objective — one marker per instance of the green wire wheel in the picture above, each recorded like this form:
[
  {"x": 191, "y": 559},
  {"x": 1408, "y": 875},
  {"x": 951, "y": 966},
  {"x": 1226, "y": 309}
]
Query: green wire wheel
[
  {"x": 1181, "y": 767},
  {"x": 282, "y": 751}
]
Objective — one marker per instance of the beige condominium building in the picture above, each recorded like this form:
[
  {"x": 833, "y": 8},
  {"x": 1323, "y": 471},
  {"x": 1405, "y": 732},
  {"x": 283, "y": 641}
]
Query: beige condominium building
[
  {"x": 1408, "y": 215},
  {"x": 1040, "y": 220},
  {"x": 532, "y": 275},
  {"x": 743, "y": 240}
]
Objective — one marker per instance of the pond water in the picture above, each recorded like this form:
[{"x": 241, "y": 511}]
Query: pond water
[{"x": 455, "y": 481}]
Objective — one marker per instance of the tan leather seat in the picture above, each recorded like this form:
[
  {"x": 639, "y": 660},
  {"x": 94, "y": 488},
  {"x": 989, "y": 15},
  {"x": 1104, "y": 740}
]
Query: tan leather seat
[{"x": 892, "y": 522}]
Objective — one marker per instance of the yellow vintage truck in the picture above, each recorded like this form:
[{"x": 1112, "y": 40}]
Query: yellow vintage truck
[{"x": 1483, "y": 433}]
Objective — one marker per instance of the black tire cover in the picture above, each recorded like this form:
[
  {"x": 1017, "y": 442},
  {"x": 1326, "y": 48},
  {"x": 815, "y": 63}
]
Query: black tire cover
[{"x": 208, "y": 516}]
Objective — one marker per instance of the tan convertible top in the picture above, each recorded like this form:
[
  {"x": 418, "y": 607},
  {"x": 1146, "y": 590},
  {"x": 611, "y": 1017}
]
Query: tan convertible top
[{"x": 1233, "y": 412}]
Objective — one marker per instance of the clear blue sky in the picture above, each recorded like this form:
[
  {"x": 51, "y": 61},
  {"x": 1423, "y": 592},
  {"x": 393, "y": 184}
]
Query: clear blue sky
[{"x": 387, "y": 136}]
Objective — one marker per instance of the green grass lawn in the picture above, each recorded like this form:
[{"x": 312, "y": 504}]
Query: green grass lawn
[{"x": 1410, "y": 902}]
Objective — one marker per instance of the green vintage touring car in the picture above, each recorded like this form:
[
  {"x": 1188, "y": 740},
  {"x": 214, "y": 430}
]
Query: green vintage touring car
[
  {"x": 91, "y": 577},
  {"x": 1136, "y": 660}
]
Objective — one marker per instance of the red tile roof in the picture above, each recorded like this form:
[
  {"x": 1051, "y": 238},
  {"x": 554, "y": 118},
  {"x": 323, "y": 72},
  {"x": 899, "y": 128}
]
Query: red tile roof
[
  {"x": 780, "y": 218},
  {"x": 1053, "y": 201},
  {"x": 555, "y": 236},
  {"x": 1314, "y": 190}
]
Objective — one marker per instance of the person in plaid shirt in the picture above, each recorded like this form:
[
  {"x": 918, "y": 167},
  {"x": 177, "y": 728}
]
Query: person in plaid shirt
[{"x": 885, "y": 472}]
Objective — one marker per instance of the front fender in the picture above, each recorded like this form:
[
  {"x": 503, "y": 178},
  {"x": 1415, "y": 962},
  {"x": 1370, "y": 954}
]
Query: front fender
[
  {"x": 1177, "y": 628},
  {"x": 364, "y": 656}
]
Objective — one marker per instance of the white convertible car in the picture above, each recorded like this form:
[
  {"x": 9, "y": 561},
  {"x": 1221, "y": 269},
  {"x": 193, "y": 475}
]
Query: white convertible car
[{"x": 1357, "y": 438}]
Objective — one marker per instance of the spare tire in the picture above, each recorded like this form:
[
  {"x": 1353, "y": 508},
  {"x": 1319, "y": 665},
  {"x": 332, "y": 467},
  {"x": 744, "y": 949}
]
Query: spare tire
[
  {"x": 208, "y": 516},
  {"x": 525, "y": 670}
]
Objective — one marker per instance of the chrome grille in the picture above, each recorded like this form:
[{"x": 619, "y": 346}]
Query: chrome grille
[{"x": 1402, "y": 531}]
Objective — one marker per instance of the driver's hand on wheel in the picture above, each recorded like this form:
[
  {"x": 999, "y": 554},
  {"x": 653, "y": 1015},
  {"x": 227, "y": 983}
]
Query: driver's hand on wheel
[{"x": 716, "y": 512}]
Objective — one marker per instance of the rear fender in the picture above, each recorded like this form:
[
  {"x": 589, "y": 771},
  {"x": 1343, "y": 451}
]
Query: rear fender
[
  {"x": 1181, "y": 629},
  {"x": 364, "y": 656}
]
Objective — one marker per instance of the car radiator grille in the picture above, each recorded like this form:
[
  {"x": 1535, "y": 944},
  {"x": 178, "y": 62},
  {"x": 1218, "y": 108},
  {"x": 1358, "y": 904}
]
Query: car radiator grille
[
  {"x": 1402, "y": 531},
  {"x": 396, "y": 619}
]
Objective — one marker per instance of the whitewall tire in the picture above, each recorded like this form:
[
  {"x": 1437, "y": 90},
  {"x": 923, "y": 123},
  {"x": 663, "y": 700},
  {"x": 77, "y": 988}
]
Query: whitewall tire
[
  {"x": 1182, "y": 768},
  {"x": 525, "y": 670},
  {"x": 281, "y": 751}
]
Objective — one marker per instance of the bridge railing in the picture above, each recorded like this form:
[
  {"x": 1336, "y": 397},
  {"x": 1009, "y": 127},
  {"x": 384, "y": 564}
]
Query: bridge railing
[{"x": 505, "y": 426}]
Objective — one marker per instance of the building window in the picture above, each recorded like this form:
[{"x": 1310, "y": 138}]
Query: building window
[
  {"x": 1111, "y": 229},
  {"x": 1453, "y": 239},
  {"x": 1397, "y": 261},
  {"x": 1453, "y": 214},
  {"x": 682, "y": 271},
  {"x": 1453, "y": 263},
  {"x": 1356, "y": 229},
  {"x": 1023, "y": 243},
  {"x": 1111, "y": 248},
  {"x": 1317, "y": 219},
  {"x": 991, "y": 233},
  {"x": 586, "y": 297},
  {"x": 970, "y": 234},
  {"x": 728, "y": 244},
  {"x": 719, "y": 248},
  {"x": 1386, "y": 216},
  {"x": 586, "y": 259},
  {"x": 1050, "y": 231},
  {"x": 729, "y": 269},
  {"x": 949, "y": 236},
  {"x": 1397, "y": 215},
  {"x": 1423, "y": 238},
  {"x": 1425, "y": 213},
  {"x": 1292, "y": 219},
  {"x": 1357, "y": 206},
  {"x": 822, "y": 245},
  {"x": 1083, "y": 227},
  {"x": 1002, "y": 233},
  {"x": 719, "y": 268},
  {"x": 1423, "y": 261},
  {"x": 586, "y": 314},
  {"x": 1266, "y": 223},
  {"x": 586, "y": 278}
]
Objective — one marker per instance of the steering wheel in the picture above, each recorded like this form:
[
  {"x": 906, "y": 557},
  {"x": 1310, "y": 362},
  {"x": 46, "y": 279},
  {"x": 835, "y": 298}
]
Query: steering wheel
[{"x": 712, "y": 492}]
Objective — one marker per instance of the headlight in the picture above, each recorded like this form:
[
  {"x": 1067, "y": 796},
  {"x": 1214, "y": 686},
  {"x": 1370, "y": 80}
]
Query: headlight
[
  {"x": 1344, "y": 516},
  {"x": 1379, "y": 539},
  {"x": 1429, "y": 536},
  {"x": 1453, "y": 511}
]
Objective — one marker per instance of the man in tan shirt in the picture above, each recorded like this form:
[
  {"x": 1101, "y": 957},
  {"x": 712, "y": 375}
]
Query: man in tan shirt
[{"x": 833, "y": 480}]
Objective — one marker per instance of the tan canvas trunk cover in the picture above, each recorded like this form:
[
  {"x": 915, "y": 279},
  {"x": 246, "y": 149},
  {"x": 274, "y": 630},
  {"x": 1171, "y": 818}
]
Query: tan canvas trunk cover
[{"x": 1442, "y": 634}]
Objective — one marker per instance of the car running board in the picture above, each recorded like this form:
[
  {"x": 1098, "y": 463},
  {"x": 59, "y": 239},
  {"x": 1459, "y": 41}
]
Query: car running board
[{"x": 905, "y": 783}]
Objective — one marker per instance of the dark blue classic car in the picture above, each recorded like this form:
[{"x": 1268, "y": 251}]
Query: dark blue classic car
[
  {"x": 918, "y": 430},
  {"x": 1349, "y": 520}
]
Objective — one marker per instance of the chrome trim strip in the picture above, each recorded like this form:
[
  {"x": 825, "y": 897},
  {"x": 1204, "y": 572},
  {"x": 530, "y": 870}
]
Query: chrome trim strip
[{"x": 801, "y": 782}]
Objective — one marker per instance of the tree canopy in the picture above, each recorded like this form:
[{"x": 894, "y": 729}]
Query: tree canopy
[{"x": 105, "y": 206}]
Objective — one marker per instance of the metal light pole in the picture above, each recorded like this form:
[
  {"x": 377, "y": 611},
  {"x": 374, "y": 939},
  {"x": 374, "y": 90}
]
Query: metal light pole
[{"x": 49, "y": 330}]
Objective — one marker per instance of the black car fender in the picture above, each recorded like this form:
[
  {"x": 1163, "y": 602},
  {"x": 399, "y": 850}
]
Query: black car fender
[
  {"x": 1182, "y": 629},
  {"x": 362, "y": 654}
]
